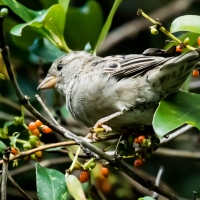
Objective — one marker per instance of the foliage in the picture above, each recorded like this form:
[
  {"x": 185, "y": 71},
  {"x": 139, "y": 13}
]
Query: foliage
[{"x": 52, "y": 32}]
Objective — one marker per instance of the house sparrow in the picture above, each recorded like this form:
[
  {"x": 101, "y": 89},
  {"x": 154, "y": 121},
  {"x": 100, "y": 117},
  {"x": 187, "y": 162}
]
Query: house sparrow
[{"x": 121, "y": 90}]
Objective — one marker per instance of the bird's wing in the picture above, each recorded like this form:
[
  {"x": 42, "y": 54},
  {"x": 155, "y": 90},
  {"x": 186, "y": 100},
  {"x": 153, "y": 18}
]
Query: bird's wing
[{"x": 131, "y": 65}]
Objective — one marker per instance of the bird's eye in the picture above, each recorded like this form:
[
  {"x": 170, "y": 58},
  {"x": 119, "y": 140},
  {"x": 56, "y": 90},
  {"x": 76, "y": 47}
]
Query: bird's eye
[{"x": 59, "y": 67}]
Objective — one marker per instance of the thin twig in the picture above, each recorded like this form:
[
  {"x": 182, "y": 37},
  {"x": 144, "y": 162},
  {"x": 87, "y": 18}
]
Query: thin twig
[
  {"x": 158, "y": 179},
  {"x": 5, "y": 173},
  {"x": 19, "y": 188},
  {"x": 47, "y": 110},
  {"x": 178, "y": 153},
  {"x": 133, "y": 28}
]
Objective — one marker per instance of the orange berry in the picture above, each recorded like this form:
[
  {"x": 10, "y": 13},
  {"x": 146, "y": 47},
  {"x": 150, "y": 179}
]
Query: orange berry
[
  {"x": 138, "y": 163},
  {"x": 38, "y": 154},
  {"x": 136, "y": 140},
  {"x": 195, "y": 73},
  {"x": 84, "y": 176},
  {"x": 38, "y": 123},
  {"x": 35, "y": 132},
  {"x": 14, "y": 151},
  {"x": 32, "y": 126},
  {"x": 141, "y": 138},
  {"x": 46, "y": 129},
  {"x": 179, "y": 49},
  {"x": 105, "y": 186},
  {"x": 105, "y": 172},
  {"x": 198, "y": 41}
]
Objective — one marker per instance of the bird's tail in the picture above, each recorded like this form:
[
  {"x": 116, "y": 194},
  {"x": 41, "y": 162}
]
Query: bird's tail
[{"x": 175, "y": 71}]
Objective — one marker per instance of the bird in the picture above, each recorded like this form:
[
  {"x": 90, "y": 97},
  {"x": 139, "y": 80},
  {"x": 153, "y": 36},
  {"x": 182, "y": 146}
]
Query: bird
[{"x": 120, "y": 90}]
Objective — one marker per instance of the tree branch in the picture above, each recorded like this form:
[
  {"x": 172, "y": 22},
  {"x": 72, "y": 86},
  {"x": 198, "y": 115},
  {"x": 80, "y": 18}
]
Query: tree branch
[
  {"x": 18, "y": 187},
  {"x": 133, "y": 28}
]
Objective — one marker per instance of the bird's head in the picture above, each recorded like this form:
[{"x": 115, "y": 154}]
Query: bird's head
[{"x": 63, "y": 70}]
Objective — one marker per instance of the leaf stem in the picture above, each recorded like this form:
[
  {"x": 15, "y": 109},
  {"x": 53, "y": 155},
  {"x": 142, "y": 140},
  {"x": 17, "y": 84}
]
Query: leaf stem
[
  {"x": 75, "y": 159},
  {"x": 107, "y": 25},
  {"x": 165, "y": 31}
]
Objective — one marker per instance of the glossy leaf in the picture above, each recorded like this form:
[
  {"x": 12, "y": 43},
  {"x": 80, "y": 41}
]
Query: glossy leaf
[
  {"x": 45, "y": 49},
  {"x": 2, "y": 76},
  {"x": 74, "y": 187},
  {"x": 186, "y": 23},
  {"x": 65, "y": 4},
  {"x": 175, "y": 110},
  {"x": 2, "y": 146},
  {"x": 83, "y": 25},
  {"x": 107, "y": 25},
  {"x": 25, "y": 13},
  {"x": 50, "y": 184}
]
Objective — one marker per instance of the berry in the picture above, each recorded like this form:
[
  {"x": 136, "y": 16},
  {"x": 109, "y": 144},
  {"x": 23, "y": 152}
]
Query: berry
[
  {"x": 32, "y": 126},
  {"x": 138, "y": 163},
  {"x": 17, "y": 121},
  {"x": 154, "y": 31},
  {"x": 105, "y": 172},
  {"x": 38, "y": 123},
  {"x": 38, "y": 154},
  {"x": 195, "y": 73},
  {"x": 27, "y": 146},
  {"x": 92, "y": 165},
  {"x": 84, "y": 176},
  {"x": 14, "y": 151},
  {"x": 35, "y": 132},
  {"x": 198, "y": 41},
  {"x": 179, "y": 48},
  {"x": 46, "y": 129},
  {"x": 186, "y": 41},
  {"x": 4, "y": 12},
  {"x": 136, "y": 140},
  {"x": 141, "y": 138}
]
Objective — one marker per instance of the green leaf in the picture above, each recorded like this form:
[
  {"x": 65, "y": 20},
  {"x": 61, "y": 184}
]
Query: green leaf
[
  {"x": 175, "y": 110},
  {"x": 107, "y": 25},
  {"x": 65, "y": 4},
  {"x": 83, "y": 24},
  {"x": 74, "y": 187},
  {"x": 50, "y": 23},
  {"x": 5, "y": 127},
  {"x": 50, "y": 184},
  {"x": 2, "y": 76},
  {"x": 45, "y": 49},
  {"x": 25, "y": 13},
  {"x": 186, "y": 23},
  {"x": 2, "y": 146}
]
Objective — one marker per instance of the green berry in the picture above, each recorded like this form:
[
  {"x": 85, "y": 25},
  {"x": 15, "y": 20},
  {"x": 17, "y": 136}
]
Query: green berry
[
  {"x": 186, "y": 41},
  {"x": 17, "y": 121},
  {"x": 92, "y": 165},
  {"x": 27, "y": 146},
  {"x": 154, "y": 31},
  {"x": 4, "y": 12}
]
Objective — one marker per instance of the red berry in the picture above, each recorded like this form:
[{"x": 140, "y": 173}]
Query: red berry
[
  {"x": 38, "y": 123},
  {"x": 198, "y": 41},
  {"x": 179, "y": 49},
  {"x": 195, "y": 73},
  {"x": 14, "y": 151},
  {"x": 138, "y": 162},
  {"x": 84, "y": 176},
  {"x": 32, "y": 126},
  {"x": 136, "y": 140},
  {"x": 46, "y": 129},
  {"x": 35, "y": 132},
  {"x": 105, "y": 172},
  {"x": 141, "y": 138}
]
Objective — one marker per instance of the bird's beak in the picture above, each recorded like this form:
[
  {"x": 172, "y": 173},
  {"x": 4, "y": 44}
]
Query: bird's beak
[{"x": 47, "y": 83}]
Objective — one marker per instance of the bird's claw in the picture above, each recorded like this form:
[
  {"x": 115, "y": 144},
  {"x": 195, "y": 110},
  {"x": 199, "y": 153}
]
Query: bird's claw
[{"x": 98, "y": 128}]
